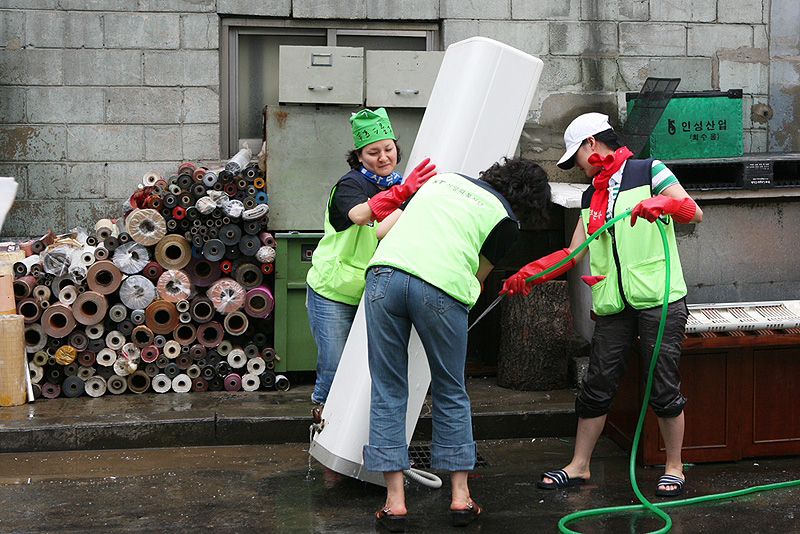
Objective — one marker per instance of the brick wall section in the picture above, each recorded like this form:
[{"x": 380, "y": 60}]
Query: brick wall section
[{"x": 94, "y": 93}]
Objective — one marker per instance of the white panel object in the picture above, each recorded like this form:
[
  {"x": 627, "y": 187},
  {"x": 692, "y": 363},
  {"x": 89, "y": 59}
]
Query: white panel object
[
  {"x": 474, "y": 118},
  {"x": 401, "y": 78},
  {"x": 8, "y": 191},
  {"x": 321, "y": 74},
  {"x": 478, "y": 106},
  {"x": 749, "y": 316}
]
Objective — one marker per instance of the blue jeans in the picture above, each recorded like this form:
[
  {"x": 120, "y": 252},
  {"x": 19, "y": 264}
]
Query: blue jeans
[
  {"x": 330, "y": 323},
  {"x": 394, "y": 302}
]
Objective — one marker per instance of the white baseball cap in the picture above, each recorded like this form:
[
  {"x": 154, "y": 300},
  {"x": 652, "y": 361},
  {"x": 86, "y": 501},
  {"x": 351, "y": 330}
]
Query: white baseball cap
[{"x": 576, "y": 133}]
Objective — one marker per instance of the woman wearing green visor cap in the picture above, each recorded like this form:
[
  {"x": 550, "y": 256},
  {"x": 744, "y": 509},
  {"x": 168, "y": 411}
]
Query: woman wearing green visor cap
[{"x": 369, "y": 192}]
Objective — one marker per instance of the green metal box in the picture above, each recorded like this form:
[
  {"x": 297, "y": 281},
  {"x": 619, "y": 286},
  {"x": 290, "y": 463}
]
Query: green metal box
[
  {"x": 704, "y": 124},
  {"x": 293, "y": 342}
]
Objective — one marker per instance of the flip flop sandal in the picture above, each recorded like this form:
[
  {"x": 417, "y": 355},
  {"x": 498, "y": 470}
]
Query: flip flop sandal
[
  {"x": 462, "y": 518},
  {"x": 560, "y": 480},
  {"x": 670, "y": 480},
  {"x": 393, "y": 523}
]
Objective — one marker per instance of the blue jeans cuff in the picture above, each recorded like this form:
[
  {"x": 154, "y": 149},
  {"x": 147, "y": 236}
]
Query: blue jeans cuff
[
  {"x": 453, "y": 458},
  {"x": 384, "y": 459}
]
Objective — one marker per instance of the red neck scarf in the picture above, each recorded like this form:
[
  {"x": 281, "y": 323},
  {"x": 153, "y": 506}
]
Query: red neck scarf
[{"x": 608, "y": 166}]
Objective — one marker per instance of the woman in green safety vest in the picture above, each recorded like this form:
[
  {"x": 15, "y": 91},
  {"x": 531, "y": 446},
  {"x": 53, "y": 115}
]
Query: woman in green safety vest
[
  {"x": 369, "y": 192},
  {"x": 427, "y": 272},
  {"x": 628, "y": 286}
]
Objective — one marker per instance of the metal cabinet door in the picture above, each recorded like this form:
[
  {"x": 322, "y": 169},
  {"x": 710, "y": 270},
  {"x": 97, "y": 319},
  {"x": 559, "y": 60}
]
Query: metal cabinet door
[
  {"x": 321, "y": 75},
  {"x": 398, "y": 78}
]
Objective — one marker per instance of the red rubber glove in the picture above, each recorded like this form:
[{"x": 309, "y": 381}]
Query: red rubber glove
[
  {"x": 387, "y": 201},
  {"x": 516, "y": 285},
  {"x": 681, "y": 209}
]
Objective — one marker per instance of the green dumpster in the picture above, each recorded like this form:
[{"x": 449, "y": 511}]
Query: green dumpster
[
  {"x": 293, "y": 342},
  {"x": 702, "y": 124}
]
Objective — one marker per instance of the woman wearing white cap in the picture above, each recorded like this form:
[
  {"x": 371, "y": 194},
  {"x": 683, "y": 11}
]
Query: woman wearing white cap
[{"x": 628, "y": 285}]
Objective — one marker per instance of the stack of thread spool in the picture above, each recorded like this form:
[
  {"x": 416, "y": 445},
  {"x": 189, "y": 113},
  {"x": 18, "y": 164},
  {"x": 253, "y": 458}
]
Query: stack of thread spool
[{"x": 173, "y": 296}]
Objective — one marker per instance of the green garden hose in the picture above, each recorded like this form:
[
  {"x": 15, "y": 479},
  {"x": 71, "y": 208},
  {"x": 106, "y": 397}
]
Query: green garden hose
[{"x": 647, "y": 505}]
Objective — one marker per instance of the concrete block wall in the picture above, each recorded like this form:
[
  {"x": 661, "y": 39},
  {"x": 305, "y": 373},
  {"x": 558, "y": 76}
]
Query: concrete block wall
[{"x": 94, "y": 93}]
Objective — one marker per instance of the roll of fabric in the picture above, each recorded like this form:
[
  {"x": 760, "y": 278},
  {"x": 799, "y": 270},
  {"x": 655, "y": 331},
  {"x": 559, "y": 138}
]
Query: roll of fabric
[
  {"x": 248, "y": 275},
  {"x": 42, "y": 293},
  {"x": 203, "y": 272},
  {"x": 116, "y": 385},
  {"x": 161, "y": 383},
  {"x": 57, "y": 321},
  {"x": 226, "y": 294},
  {"x": 67, "y": 295},
  {"x": 233, "y": 382},
  {"x": 150, "y": 178},
  {"x": 213, "y": 250},
  {"x": 265, "y": 254},
  {"x": 50, "y": 390},
  {"x": 161, "y": 316},
  {"x": 103, "y": 277},
  {"x": 256, "y": 366},
  {"x": 259, "y": 302},
  {"x": 115, "y": 340},
  {"x": 181, "y": 384},
  {"x": 150, "y": 353},
  {"x": 249, "y": 244},
  {"x": 106, "y": 357},
  {"x": 250, "y": 382},
  {"x": 138, "y": 382},
  {"x": 236, "y": 323},
  {"x": 137, "y": 316},
  {"x": 78, "y": 339},
  {"x": 137, "y": 292},
  {"x": 23, "y": 287},
  {"x": 30, "y": 309},
  {"x": 104, "y": 228},
  {"x": 210, "y": 334},
  {"x": 90, "y": 308},
  {"x": 152, "y": 271},
  {"x": 173, "y": 252},
  {"x": 95, "y": 386},
  {"x": 142, "y": 336},
  {"x": 174, "y": 285},
  {"x": 131, "y": 257},
  {"x": 86, "y": 358},
  {"x": 185, "y": 334},
  {"x": 73, "y": 387},
  {"x": 146, "y": 226},
  {"x": 230, "y": 234}
]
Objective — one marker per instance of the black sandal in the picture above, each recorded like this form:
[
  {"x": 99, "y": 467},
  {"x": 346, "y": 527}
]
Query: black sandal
[
  {"x": 393, "y": 523},
  {"x": 462, "y": 518}
]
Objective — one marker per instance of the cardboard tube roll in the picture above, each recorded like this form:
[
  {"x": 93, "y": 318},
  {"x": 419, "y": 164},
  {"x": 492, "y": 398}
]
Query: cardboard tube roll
[
  {"x": 13, "y": 376},
  {"x": 103, "y": 277},
  {"x": 138, "y": 382}
]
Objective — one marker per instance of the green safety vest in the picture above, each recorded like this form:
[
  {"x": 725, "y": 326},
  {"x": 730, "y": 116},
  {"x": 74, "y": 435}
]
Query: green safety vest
[
  {"x": 441, "y": 232},
  {"x": 632, "y": 258},
  {"x": 340, "y": 260}
]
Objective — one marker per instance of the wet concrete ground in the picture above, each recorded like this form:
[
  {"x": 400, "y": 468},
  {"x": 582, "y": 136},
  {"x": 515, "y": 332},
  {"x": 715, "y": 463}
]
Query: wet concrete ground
[{"x": 270, "y": 488}]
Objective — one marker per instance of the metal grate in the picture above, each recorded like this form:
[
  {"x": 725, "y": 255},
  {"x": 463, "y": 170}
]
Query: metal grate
[
  {"x": 420, "y": 456},
  {"x": 647, "y": 110}
]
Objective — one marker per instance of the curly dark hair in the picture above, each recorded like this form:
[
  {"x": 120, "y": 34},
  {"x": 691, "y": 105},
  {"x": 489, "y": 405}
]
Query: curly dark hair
[
  {"x": 524, "y": 185},
  {"x": 355, "y": 164}
]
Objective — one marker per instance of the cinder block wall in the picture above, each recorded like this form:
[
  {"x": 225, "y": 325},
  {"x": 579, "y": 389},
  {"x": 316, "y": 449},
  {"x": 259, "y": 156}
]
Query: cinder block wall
[{"x": 94, "y": 93}]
